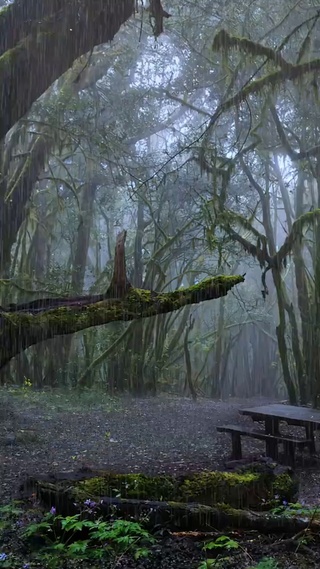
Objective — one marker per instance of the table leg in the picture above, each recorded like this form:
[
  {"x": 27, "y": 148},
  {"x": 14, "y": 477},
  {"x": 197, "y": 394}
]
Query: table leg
[
  {"x": 310, "y": 435},
  {"x": 272, "y": 426},
  {"x": 289, "y": 452},
  {"x": 236, "y": 446},
  {"x": 272, "y": 449}
]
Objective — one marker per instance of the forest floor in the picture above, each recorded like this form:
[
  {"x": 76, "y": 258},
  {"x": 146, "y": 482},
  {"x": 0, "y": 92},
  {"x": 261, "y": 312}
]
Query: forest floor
[{"x": 42, "y": 432}]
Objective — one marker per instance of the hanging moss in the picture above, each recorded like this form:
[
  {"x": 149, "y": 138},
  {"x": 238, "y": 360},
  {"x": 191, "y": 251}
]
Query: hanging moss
[{"x": 224, "y": 40}]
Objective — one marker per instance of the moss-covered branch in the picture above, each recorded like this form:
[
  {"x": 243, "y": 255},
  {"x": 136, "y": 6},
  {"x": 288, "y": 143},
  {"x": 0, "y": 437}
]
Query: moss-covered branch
[
  {"x": 226, "y": 220},
  {"x": 293, "y": 154},
  {"x": 286, "y": 71},
  {"x": 296, "y": 234},
  {"x": 225, "y": 41},
  {"x": 19, "y": 330}
]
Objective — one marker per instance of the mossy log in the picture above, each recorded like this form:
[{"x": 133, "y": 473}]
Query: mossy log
[
  {"x": 22, "y": 325},
  {"x": 177, "y": 516},
  {"x": 62, "y": 491},
  {"x": 20, "y": 330},
  {"x": 247, "y": 489}
]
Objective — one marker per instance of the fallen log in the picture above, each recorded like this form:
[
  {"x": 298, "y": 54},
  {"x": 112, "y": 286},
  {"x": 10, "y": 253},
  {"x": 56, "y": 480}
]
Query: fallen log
[
  {"x": 28, "y": 323},
  {"x": 173, "y": 503},
  {"x": 253, "y": 488},
  {"x": 177, "y": 516}
]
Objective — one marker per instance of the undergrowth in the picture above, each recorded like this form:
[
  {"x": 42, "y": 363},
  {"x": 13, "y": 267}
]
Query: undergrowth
[
  {"x": 60, "y": 400},
  {"x": 52, "y": 540}
]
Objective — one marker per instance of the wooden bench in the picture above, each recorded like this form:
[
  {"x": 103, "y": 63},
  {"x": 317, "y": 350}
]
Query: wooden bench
[{"x": 290, "y": 444}]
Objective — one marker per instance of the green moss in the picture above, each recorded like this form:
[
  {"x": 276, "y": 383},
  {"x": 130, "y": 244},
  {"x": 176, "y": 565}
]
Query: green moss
[
  {"x": 212, "y": 287},
  {"x": 247, "y": 489},
  {"x": 4, "y": 12},
  {"x": 227, "y": 487},
  {"x": 227, "y": 509},
  {"x": 207, "y": 487},
  {"x": 285, "y": 486},
  {"x": 136, "y": 486},
  {"x": 139, "y": 294},
  {"x": 138, "y": 303}
]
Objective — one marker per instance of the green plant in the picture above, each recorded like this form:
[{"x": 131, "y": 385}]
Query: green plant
[
  {"x": 223, "y": 542},
  {"x": 59, "y": 535},
  {"x": 8, "y": 514},
  {"x": 296, "y": 509},
  {"x": 207, "y": 564},
  {"x": 266, "y": 563},
  {"x": 11, "y": 510}
]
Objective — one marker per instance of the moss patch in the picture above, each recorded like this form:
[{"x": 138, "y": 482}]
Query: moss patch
[
  {"x": 240, "y": 490},
  {"x": 285, "y": 486},
  {"x": 136, "y": 486}
]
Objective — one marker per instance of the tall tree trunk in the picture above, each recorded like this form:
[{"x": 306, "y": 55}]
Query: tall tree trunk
[
  {"x": 136, "y": 344},
  {"x": 189, "y": 382},
  {"x": 217, "y": 379},
  {"x": 302, "y": 363},
  {"x": 315, "y": 321},
  {"x": 283, "y": 305},
  {"x": 79, "y": 264}
]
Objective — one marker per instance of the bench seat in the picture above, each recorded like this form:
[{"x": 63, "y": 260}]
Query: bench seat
[{"x": 290, "y": 444}]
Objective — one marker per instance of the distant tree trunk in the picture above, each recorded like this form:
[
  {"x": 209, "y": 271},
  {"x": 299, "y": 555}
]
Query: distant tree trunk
[
  {"x": 189, "y": 383},
  {"x": 283, "y": 305},
  {"x": 217, "y": 379},
  {"x": 136, "y": 345},
  {"x": 79, "y": 263},
  {"x": 315, "y": 319}
]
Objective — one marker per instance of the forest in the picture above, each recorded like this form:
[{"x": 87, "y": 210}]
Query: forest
[{"x": 159, "y": 275}]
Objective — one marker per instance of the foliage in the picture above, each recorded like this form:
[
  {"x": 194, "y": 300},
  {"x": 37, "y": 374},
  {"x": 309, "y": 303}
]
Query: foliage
[
  {"x": 266, "y": 563},
  {"x": 62, "y": 537},
  {"x": 221, "y": 543},
  {"x": 290, "y": 509}
]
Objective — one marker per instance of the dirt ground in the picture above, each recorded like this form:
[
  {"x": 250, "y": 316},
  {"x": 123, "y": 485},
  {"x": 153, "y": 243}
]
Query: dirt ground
[{"x": 54, "y": 432}]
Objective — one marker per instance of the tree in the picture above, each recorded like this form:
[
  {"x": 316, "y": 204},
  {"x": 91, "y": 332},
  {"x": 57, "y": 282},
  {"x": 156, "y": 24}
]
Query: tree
[{"x": 41, "y": 40}]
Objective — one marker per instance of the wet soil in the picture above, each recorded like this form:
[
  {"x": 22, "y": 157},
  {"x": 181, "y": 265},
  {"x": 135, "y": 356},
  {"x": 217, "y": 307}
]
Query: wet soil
[{"x": 43, "y": 432}]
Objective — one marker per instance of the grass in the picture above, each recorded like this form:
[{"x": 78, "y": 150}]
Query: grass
[{"x": 59, "y": 400}]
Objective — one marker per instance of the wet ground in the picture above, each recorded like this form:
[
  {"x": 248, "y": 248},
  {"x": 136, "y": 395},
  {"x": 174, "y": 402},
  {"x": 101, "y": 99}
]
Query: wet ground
[{"x": 43, "y": 432}]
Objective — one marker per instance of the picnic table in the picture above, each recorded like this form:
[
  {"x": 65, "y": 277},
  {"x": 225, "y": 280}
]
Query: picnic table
[{"x": 272, "y": 415}]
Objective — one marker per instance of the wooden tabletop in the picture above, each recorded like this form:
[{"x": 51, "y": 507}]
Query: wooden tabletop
[{"x": 289, "y": 413}]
